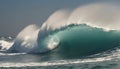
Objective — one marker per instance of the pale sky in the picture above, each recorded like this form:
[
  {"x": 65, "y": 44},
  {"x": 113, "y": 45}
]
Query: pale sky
[{"x": 17, "y": 14}]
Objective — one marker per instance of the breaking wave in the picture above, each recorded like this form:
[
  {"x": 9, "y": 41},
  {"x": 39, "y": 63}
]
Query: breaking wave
[{"x": 84, "y": 31}]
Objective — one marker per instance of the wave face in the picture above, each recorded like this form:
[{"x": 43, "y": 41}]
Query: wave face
[
  {"x": 73, "y": 33},
  {"x": 83, "y": 40}
]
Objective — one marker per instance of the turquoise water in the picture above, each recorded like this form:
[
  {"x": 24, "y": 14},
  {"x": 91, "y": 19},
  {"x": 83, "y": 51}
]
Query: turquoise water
[{"x": 78, "y": 41}]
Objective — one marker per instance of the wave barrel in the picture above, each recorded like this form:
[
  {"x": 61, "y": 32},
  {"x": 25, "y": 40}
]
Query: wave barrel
[{"x": 83, "y": 40}]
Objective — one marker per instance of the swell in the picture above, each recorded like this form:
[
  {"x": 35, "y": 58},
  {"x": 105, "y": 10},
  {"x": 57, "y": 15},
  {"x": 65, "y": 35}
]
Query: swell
[{"x": 82, "y": 40}]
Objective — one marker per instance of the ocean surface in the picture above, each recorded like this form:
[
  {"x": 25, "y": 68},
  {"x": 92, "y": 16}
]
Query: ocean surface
[
  {"x": 72, "y": 52},
  {"x": 66, "y": 40}
]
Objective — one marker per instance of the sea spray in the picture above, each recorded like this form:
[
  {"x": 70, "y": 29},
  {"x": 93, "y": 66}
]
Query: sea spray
[{"x": 26, "y": 41}]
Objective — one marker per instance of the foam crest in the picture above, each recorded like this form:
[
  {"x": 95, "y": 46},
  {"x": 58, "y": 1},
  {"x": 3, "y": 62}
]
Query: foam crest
[
  {"x": 26, "y": 41},
  {"x": 103, "y": 15}
]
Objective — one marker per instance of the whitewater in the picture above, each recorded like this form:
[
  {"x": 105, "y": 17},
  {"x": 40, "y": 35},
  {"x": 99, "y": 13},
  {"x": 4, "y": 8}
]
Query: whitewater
[{"x": 87, "y": 37}]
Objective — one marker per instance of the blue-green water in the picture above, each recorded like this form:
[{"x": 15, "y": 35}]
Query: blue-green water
[
  {"x": 71, "y": 47},
  {"x": 78, "y": 41}
]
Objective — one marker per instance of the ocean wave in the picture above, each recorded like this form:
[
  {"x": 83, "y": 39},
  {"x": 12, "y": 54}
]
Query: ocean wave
[{"x": 81, "y": 32}]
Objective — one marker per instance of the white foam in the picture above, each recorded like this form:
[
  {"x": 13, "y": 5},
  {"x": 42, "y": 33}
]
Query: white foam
[
  {"x": 11, "y": 54},
  {"x": 26, "y": 40},
  {"x": 5, "y": 45},
  {"x": 56, "y": 62}
]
